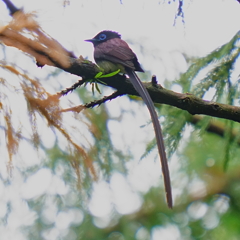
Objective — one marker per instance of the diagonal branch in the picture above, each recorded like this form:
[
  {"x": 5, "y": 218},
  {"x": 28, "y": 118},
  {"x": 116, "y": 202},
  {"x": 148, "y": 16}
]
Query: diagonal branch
[
  {"x": 93, "y": 103},
  {"x": 218, "y": 128},
  {"x": 47, "y": 51},
  {"x": 12, "y": 9}
]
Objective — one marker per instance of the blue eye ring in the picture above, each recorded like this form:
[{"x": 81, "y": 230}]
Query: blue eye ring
[{"x": 102, "y": 36}]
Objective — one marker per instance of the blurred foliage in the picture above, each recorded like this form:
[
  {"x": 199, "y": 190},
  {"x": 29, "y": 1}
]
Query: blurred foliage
[{"x": 205, "y": 182}]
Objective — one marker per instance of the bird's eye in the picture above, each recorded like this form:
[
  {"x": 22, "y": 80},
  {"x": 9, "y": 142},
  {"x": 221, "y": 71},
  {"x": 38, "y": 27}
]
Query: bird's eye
[{"x": 102, "y": 36}]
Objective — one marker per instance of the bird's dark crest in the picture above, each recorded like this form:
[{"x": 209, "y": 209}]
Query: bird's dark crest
[{"x": 109, "y": 34}]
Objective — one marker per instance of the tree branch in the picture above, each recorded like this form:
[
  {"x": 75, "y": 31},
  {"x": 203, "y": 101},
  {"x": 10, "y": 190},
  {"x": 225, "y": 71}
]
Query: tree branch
[
  {"x": 12, "y": 9},
  {"x": 216, "y": 127},
  {"x": 47, "y": 51},
  {"x": 93, "y": 103}
]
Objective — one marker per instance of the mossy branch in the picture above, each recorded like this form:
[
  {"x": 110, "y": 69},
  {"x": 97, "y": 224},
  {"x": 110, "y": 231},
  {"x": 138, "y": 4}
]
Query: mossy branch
[{"x": 48, "y": 51}]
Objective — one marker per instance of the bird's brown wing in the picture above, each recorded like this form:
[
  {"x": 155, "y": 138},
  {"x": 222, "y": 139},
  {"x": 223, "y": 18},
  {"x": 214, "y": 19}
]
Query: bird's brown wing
[{"x": 117, "y": 51}]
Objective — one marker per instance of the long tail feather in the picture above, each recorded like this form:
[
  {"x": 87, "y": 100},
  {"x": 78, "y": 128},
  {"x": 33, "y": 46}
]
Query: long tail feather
[{"x": 138, "y": 85}]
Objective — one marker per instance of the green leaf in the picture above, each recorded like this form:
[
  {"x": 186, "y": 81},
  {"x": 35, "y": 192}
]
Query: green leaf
[
  {"x": 109, "y": 74},
  {"x": 92, "y": 88},
  {"x": 98, "y": 75},
  {"x": 96, "y": 86}
]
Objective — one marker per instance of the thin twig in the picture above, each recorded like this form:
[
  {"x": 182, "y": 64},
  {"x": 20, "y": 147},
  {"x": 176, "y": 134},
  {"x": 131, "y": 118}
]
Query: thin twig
[
  {"x": 73, "y": 87},
  {"x": 12, "y": 9},
  {"x": 92, "y": 104},
  {"x": 103, "y": 100}
]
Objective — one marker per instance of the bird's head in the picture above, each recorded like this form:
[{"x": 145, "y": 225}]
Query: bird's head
[{"x": 103, "y": 37}]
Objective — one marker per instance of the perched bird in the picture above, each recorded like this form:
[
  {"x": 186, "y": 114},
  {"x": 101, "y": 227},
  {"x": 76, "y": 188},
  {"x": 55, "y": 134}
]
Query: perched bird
[{"x": 111, "y": 53}]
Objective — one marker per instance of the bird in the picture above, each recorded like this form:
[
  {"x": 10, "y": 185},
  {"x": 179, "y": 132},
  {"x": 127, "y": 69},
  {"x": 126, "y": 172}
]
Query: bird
[{"x": 111, "y": 53}]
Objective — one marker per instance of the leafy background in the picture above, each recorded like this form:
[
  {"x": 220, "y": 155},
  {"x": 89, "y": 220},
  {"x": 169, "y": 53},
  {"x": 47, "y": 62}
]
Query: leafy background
[{"x": 48, "y": 191}]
